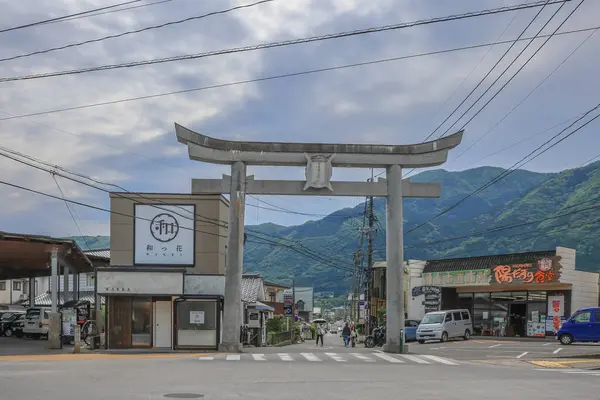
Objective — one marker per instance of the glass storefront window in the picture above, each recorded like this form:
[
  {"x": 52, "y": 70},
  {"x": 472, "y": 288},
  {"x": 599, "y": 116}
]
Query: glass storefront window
[
  {"x": 481, "y": 314},
  {"x": 537, "y": 295},
  {"x": 197, "y": 323},
  {"x": 141, "y": 321}
]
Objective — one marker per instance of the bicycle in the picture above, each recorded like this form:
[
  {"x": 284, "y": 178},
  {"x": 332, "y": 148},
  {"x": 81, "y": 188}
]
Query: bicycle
[{"x": 88, "y": 331}]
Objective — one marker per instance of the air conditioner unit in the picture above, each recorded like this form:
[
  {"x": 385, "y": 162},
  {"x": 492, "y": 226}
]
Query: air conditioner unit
[{"x": 22, "y": 297}]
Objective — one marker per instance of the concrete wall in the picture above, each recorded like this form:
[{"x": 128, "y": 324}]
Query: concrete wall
[
  {"x": 211, "y": 240},
  {"x": 415, "y": 308},
  {"x": 585, "y": 284},
  {"x": 9, "y": 295}
]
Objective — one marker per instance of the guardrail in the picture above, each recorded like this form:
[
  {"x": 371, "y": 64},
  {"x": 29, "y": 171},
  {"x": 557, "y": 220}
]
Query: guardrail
[{"x": 279, "y": 338}]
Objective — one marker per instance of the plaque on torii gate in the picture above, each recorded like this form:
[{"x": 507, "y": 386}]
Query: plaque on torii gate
[{"x": 319, "y": 160}]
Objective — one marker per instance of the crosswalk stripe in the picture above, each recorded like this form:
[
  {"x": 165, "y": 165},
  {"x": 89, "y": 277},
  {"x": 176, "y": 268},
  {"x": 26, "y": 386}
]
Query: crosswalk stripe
[
  {"x": 387, "y": 358},
  {"x": 285, "y": 357},
  {"x": 335, "y": 357},
  {"x": 440, "y": 360},
  {"x": 207, "y": 358},
  {"x": 259, "y": 357},
  {"x": 362, "y": 357},
  {"x": 233, "y": 357},
  {"x": 310, "y": 357},
  {"x": 414, "y": 359}
]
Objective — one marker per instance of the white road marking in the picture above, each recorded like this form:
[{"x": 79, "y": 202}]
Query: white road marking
[
  {"x": 310, "y": 357},
  {"x": 441, "y": 360},
  {"x": 233, "y": 357},
  {"x": 557, "y": 350},
  {"x": 580, "y": 372},
  {"x": 387, "y": 358},
  {"x": 335, "y": 357},
  {"x": 495, "y": 345},
  {"x": 546, "y": 344},
  {"x": 362, "y": 357},
  {"x": 207, "y": 358},
  {"x": 414, "y": 359},
  {"x": 522, "y": 354},
  {"x": 259, "y": 357},
  {"x": 285, "y": 357}
]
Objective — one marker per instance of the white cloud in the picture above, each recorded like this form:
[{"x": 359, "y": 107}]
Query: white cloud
[{"x": 133, "y": 144}]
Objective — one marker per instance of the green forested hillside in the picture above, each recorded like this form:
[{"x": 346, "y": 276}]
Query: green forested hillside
[{"x": 520, "y": 198}]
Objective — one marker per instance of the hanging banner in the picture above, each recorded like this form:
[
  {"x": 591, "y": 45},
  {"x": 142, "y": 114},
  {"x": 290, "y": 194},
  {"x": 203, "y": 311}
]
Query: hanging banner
[{"x": 556, "y": 306}]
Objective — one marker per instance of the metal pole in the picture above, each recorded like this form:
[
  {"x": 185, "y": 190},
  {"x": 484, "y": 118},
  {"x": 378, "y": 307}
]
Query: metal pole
[
  {"x": 54, "y": 280},
  {"x": 370, "y": 278},
  {"x": 395, "y": 257},
  {"x": 232, "y": 313}
]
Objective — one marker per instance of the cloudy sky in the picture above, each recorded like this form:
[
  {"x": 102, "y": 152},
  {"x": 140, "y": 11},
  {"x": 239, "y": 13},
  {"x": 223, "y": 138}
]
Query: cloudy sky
[{"x": 132, "y": 144}]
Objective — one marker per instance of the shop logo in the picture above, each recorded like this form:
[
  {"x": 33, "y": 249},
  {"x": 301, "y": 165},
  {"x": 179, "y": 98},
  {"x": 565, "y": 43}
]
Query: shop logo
[
  {"x": 545, "y": 264},
  {"x": 164, "y": 227}
]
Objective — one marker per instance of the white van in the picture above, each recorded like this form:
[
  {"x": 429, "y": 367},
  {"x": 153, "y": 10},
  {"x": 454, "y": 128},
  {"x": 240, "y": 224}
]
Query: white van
[
  {"x": 37, "y": 322},
  {"x": 444, "y": 325}
]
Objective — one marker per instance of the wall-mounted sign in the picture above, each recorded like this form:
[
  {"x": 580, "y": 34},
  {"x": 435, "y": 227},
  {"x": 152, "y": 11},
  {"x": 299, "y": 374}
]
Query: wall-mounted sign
[
  {"x": 288, "y": 303},
  {"x": 197, "y": 317},
  {"x": 457, "y": 278},
  {"x": 140, "y": 283},
  {"x": 544, "y": 270},
  {"x": 164, "y": 234}
]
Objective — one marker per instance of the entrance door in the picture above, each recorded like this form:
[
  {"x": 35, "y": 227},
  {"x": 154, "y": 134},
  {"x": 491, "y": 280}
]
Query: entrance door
[{"x": 162, "y": 324}]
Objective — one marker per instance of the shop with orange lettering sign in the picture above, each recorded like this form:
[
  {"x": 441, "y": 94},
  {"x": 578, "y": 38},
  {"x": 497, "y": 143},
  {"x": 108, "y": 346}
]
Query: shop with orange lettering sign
[{"x": 520, "y": 294}]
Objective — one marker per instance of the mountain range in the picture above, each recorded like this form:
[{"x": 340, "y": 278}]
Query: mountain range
[{"x": 525, "y": 211}]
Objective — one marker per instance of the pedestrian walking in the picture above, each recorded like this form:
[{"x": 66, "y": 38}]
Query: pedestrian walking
[
  {"x": 320, "y": 333},
  {"x": 346, "y": 334}
]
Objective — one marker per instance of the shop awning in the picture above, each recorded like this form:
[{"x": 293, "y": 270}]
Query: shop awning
[
  {"x": 45, "y": 299},
  {"x": 28, "y": 256},
  {"x": 262, "y": 306}
]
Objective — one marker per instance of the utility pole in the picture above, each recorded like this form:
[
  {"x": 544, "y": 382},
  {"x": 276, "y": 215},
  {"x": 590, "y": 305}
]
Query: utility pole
[
  {"x": 370, "y": 277},
  {"x": 355, "y": 305}
]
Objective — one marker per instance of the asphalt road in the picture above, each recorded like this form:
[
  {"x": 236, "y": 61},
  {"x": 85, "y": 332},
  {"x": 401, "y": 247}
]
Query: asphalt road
[
  {"x": 504, "y": 349},
  {"x": 152, "y": 378}
]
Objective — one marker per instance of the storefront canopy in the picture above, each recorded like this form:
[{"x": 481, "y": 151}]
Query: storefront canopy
[{"x": 28, "y": 256}]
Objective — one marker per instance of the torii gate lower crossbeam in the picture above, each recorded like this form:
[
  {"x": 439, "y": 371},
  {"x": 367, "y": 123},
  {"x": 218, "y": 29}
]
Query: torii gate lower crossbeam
[{"x": 319, "y": 160}]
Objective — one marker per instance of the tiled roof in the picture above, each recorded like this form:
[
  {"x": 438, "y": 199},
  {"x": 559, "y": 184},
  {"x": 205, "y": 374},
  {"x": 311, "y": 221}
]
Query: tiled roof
[
  {"x": 266, "y": 283},
  {"x": 483, "y": 262},
  {"x": 45, "y": 299},
  {"x": 100, "y": 253},
  {"x": 251, "y": 285}
]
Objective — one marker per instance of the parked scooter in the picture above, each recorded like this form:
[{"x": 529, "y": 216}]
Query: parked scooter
[{"x": 377, "y": 338}]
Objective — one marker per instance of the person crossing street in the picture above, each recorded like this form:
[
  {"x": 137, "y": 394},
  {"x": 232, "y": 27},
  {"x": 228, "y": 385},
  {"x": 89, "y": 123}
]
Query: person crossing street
[{"x": 320, "y": 334}]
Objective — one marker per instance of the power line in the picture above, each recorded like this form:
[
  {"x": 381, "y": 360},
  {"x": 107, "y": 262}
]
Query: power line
[
  {"x": 514, "y": 166},
  {"x": 504, "y": 227},
  {"x": 466, "y": 78},
  {"x": 110, "y": 11},
  {"x": 131, "y": 32},
  {"x": 529, "y": 94},
  {"x": 522, "y": 66},
  {"x": 284, "y": 43},
  {"x": 71, "y": 213},
  {"x": 217, "y": 222},
  {"x": 497, "y": 78},
  {"x": 46, "y": 21},
  {"x": 181, "y": 227},
  {"x": 288, "y": 75},
  {"x": 494, "y": 67}
]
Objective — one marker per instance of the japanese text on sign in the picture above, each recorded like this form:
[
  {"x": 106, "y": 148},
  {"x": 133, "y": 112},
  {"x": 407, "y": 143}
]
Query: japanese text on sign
[{"x": 525, "y": 273}]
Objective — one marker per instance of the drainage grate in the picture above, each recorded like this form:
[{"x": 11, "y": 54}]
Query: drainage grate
[{"x": 184, "y": 395}]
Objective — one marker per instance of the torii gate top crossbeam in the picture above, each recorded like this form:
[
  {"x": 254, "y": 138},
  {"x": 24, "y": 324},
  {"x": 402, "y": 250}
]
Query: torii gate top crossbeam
[{"x": 208, "y": 149}]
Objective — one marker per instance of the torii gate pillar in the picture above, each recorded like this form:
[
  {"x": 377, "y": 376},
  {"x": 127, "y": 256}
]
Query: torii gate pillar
[{"x": 319, "y": 159}]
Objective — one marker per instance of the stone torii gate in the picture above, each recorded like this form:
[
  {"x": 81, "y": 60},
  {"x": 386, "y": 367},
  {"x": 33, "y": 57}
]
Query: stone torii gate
[{"x": 319, "y": 160}]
